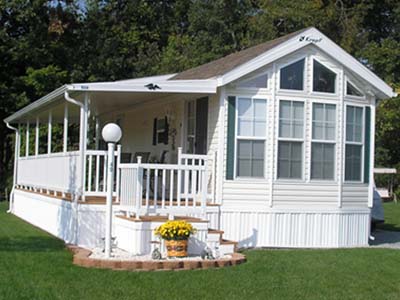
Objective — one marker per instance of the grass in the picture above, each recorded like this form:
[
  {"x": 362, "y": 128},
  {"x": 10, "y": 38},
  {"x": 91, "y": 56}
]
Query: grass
[
  {"x": 392, "y": 216},
  {"x": 34, "y": 265}
]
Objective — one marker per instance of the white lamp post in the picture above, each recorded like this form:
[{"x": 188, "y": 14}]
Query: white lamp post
[{"x": 111, "y": 134}]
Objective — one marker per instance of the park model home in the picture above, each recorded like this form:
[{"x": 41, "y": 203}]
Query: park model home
[{"x": 274, "y": 145}]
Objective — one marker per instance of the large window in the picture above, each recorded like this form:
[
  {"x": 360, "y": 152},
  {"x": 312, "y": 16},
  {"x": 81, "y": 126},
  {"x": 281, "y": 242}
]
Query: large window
[
  {"x": 354, "y": 143},
  {"x": 351, "y": 90},
  {"x": 324, "y": 80},
  {"x": 291, "y": 135},
  {"x": 250, "y": 137},
  {"x": 323, "y": 141},
  {"x": 292, "y": 76},
  {"x": 258, "y": 82}
]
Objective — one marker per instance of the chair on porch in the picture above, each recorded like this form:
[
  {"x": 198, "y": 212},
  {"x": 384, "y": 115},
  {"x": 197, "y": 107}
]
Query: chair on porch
[{"x": 144, "y": 155}]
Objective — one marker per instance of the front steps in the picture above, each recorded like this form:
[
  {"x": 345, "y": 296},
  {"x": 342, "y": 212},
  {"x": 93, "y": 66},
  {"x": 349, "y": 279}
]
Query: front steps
[
  {"x": 136, "y": 236},
  {"x": 216, "y": 241}
]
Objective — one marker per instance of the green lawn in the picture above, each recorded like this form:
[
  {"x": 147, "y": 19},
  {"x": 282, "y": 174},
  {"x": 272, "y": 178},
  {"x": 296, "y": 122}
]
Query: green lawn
[
  {"x": 34, "y": 265},
  {"x": 392, "y": 216}
]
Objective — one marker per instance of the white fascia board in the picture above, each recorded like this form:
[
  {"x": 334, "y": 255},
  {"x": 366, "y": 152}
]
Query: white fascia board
[
  {"x": 169, "y": 86},
  {"x": 325, "y": 44},
  {"x": 37, "y": 104}
]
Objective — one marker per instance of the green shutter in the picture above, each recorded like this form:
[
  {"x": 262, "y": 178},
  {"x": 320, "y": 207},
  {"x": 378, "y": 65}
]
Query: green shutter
[
  {"x": 367, "y": 143},
  {"x": 230, "y": 152}
]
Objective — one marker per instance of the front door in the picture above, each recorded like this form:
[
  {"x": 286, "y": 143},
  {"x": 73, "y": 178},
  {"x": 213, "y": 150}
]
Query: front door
[{"x": 196, "y": 126}]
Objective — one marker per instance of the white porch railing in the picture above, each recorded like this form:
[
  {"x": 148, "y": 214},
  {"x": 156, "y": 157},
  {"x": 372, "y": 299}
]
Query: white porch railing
[
  {"x": 56, "y": 172},
  {"x": 96, "y": 172},
  {"x": 202, "y": 160},
  {"x": 163, "y": 188}
]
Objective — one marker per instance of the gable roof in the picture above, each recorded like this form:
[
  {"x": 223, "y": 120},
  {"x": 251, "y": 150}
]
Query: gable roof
[
  {"x": 239, "y": 64},
  {"x": 227, "y": 63}
]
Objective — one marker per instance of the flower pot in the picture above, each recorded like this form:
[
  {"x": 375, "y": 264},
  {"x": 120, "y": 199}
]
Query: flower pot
[{"x": 176, "y": 248}]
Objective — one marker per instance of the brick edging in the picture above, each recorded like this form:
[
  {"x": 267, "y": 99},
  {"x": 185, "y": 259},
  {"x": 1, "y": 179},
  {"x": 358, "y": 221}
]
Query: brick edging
[{"x": 81, "y": 258}]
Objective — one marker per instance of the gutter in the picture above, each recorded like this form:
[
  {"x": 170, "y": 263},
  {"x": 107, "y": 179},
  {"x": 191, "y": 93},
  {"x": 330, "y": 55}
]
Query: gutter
[
  {"x": 82, "y": 138},
  {"x": 82, "y": 150},
  {"x": 16, "y": 154}
]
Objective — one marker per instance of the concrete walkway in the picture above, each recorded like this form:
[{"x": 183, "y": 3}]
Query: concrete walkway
[{"x": 386, "y": 239}]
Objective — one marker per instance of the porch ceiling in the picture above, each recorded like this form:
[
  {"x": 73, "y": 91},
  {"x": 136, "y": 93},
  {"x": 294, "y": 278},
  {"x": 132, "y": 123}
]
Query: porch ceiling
[{"x": 108, "y": 102}]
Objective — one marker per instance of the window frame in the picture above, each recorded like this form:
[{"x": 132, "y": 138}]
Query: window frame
[
  {"x": 250, "y": 138},
  {"x": 324, "y": 94},
  {"x": 305, "y": 70},
  {"x": 324, "y": 141},
  {"x": 362, "y": 143},
  {"x": 249, "y": 89},
  {"x": 352, "y": 82},
  {"x": 285, "y": 139}
]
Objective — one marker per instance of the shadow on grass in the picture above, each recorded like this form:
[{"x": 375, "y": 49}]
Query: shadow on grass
[
  {"x": 31, "y": 244},
  {"x": 387, "y": 226}
]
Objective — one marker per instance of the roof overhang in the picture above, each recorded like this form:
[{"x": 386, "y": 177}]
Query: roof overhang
[
  {"x": 308, "y": 37},
  {"x": 170, "y": 86},
  {"x": 129, "y": 86}
]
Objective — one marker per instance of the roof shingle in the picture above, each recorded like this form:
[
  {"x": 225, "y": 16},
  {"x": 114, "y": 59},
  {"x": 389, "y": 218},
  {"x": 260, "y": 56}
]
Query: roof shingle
[{"x": 227, "y": 63}]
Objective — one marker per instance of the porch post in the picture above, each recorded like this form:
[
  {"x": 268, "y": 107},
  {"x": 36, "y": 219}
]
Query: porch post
[
  {"x": 65, "y": 141},
  {"x": 49, "y": 129},
  {"x": 37, "y": 137},
  {"x": 83, "y": 142},
  {"x": 27, "y": 139}
]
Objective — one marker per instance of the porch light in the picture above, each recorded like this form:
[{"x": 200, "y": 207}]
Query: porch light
[{"x": 111, "y": 134}]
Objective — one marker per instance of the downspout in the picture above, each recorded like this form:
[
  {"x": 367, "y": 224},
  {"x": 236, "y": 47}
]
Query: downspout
[
  {"x": 16, "y": 154},
  {"x": 82, "y": 142}
]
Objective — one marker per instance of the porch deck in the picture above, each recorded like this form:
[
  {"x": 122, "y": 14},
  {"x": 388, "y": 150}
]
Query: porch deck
[{"x": 101, "y": 200}]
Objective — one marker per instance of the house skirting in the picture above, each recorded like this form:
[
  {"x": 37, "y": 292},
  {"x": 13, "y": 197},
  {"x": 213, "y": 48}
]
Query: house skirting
[{"x": 297, "y": 229}]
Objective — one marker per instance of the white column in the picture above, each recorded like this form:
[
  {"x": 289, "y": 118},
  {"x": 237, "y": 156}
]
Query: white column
[
  {"x": 37, "y": 137},
  {"x": 83, "y": 143},
  {"x": 27, "y": 139},
  {"x": 49, "y": 129},
  {"x": 65, "y": 143},
  {"x": 341, "y": 145},
  {"x": 221, "y": 146},
  {"x": 372, "y": 154}
]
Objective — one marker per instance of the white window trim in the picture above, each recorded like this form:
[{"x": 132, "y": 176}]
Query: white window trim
[
  {"x": 352, "y": 82},
  {"x": 305, "y": 70},
  {"x": 324, "y": 94},
  {"x": 248, "y": 89},
  {"x": 303, "y": 140},
  {"x": 250, "y": 138},
  {"x": 335, "y": 142},
  {"x": 362, "y": 144}
]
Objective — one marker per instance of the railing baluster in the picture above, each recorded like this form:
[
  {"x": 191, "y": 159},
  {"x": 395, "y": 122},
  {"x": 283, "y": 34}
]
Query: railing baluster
[
  {"x": 171, "y": 188},
  {"x": 97, "y": 172},
  {"x": 147, "y": 188},
  {"x": 89, "y": 181},
  {"x": 163, "y": 187},
  {"x": 155, "y": 187},
  {"x": 104, "y": 173}
]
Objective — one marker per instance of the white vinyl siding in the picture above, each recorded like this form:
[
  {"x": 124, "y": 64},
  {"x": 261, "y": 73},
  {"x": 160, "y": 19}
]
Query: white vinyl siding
[
  {"x": 251, "y": 120},
  {"x": 291, "y": 139},
  {"x": 323, "y": 141},
  {"x": 354, "y": 143}
]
